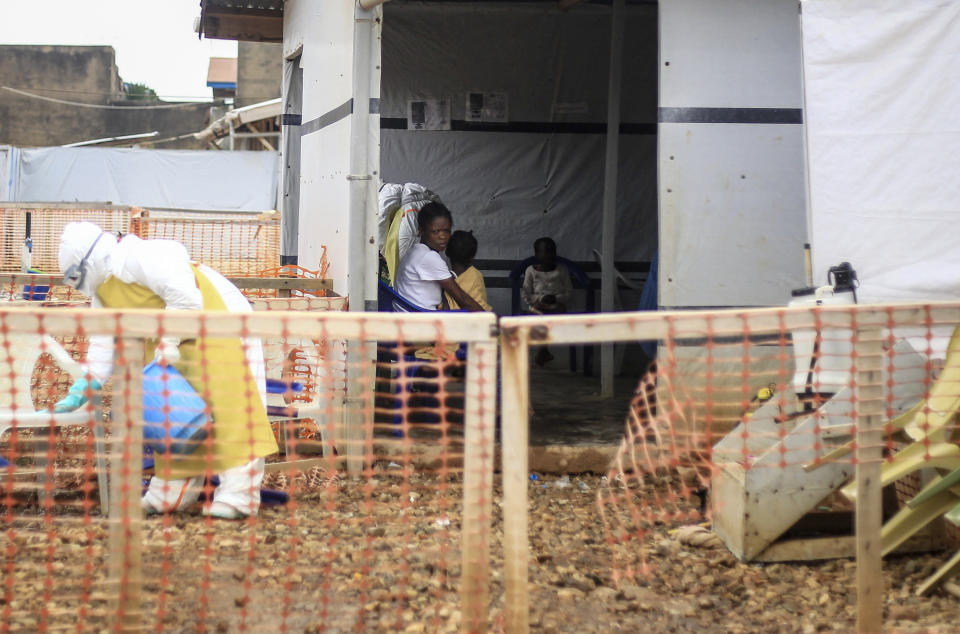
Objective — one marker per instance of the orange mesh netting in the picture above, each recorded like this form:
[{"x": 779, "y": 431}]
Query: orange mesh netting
[
  {"x": 378, "y": 522},
  {"x": 232, "y": 243},
  {"x": 46, "y": 223}
]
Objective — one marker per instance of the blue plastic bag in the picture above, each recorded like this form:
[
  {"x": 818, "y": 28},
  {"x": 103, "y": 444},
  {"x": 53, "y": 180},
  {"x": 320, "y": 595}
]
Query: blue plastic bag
[{"x": 175, "y": 417}]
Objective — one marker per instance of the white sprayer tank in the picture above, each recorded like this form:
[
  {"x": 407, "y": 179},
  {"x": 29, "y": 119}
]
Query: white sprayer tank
[{"x": 823, "y": 360}]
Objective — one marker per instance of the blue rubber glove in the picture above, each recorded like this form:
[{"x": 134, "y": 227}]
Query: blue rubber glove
[{"x": 77, "y": 395}]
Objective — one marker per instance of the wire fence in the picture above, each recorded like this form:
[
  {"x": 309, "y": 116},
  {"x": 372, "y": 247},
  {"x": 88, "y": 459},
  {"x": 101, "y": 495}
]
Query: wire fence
[
  {"x": 378, "y": 520},
  {"x": 770, "y": 434}
]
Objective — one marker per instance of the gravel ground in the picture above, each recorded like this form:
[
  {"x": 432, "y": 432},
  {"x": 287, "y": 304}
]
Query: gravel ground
[{"x": 382, "y": 554}]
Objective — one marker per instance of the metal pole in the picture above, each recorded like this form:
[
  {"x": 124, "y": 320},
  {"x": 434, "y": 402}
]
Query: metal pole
[
  {"x": 359, "y": 353},
  {"x": 359, "y": 177},
  {"x": 608, "y": 280}
]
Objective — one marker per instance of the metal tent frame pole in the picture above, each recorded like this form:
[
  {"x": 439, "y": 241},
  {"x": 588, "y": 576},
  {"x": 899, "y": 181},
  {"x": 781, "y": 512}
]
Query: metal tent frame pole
[{"x": 608, "y": 279}]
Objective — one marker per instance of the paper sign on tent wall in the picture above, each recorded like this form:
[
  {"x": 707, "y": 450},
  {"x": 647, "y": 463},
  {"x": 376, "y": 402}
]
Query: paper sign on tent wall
[
  {"x": 487, "y": 107},
  {"x": 428, "y": 114}
]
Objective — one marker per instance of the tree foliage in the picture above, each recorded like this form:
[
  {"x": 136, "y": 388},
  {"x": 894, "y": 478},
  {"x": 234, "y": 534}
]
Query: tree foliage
[{"x": 139, "y": 91}]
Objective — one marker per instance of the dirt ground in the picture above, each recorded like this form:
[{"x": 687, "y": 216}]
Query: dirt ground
[{"x": 382, "y": 554}]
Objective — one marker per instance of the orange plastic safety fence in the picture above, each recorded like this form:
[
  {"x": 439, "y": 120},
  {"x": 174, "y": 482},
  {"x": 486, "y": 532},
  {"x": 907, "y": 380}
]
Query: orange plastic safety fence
[
  {"x": 358, "y": 528},
  {"x": 233, "y": 243},
  {"x": 45, "y": 223},
  {"x": 740, "y": 452},
  {"x": 38, "y": 290}
]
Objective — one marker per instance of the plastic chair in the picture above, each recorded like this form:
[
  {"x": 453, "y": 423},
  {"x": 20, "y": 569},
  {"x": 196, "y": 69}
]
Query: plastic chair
[
  {"x": 286, "y": 413},
  {"x": 580, "y": 280},
  {"x": 420, "y": 377},
  {"x": 934, "y": 446},
  {"x": 16, "y": 403},
  {"x": 942, "y": 493},
  {"x": 390, "y": 301},
  {"x": 618, "y": 303},
  {"x": 620, "y": 277}
]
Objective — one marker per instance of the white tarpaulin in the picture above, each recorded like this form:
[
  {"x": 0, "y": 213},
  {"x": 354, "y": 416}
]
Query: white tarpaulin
[
  {"x": 183, "y": 179},
  {"x": 882, "y": 84},
  {"x": 5, "y": 173},
  {"x": 532, "y": 165},
  {"x": 731, "y": 181}
]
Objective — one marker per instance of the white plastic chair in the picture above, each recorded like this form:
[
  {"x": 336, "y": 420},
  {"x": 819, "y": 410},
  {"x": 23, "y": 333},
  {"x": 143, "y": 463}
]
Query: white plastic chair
[
  {"x": 621, "y": 349},
  {"x": 16, "y": 402}
]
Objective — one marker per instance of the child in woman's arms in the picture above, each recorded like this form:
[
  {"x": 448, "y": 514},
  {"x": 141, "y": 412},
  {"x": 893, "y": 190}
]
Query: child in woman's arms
[
  {"x": 461, "y": 250},
  {"x": 423, "y": 276}
]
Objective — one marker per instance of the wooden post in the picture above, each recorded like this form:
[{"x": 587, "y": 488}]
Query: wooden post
[
  {"x": 126, "y": 467},
  {"x": 100, "y": 450},
  {"x": 480, "y": 408},
  {"x": 359, "y": 391},
  {"x": 869, "y": 516},
  {"x": 515, "y": 426}
]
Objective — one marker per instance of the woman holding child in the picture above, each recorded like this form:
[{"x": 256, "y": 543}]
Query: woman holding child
[{"x": 423, "y": 276}]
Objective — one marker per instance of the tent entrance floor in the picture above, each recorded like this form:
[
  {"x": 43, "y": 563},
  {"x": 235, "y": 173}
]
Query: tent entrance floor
[
  {"x": 572, "y": 428},
  {"x": 568, "y": 408}
]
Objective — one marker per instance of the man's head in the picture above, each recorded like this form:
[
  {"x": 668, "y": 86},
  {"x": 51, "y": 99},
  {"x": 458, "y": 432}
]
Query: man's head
[{"x": 84, "y": 255}]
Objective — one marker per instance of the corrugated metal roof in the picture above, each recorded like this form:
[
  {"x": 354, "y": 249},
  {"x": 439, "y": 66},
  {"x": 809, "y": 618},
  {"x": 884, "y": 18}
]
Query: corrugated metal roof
[
  {"x": 222, "y": 70},
  {"x": 260, "y": 5}
]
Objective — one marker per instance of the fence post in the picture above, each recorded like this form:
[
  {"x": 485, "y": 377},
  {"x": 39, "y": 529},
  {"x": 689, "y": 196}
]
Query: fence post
[
  {"x": 515, "y": 430},
  {"x": 126, "y": 467},
  {"x": 359, "y": 386},
  {"x": 480, "y": 420},
  {"x": 869, "y": 460}
]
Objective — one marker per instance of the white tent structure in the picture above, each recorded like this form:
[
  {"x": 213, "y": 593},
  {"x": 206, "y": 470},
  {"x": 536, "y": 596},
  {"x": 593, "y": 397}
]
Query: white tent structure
[
  {"x": 882, "y": 92},
  {"x": 503, "y": 109}
]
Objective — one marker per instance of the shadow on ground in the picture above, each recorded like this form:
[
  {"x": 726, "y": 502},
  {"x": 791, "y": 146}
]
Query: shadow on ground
[{"x": 568, "y": 409}]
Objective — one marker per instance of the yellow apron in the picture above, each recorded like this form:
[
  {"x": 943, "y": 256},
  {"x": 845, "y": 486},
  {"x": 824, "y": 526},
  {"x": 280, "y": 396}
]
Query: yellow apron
[{"x": 241, "y": 430}]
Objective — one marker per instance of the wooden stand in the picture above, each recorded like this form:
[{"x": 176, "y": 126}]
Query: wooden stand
[{"x": 765, "y": 484}]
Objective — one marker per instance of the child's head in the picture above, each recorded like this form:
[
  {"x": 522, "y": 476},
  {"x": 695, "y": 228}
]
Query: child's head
[
  {"x": 462, "y": 248},
  {"x": 435, "y": 224},
  {"x": 545, "y": 250}
]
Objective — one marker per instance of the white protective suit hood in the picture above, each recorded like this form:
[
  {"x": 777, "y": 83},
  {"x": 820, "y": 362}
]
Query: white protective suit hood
[{"x": 75, "y": 241}]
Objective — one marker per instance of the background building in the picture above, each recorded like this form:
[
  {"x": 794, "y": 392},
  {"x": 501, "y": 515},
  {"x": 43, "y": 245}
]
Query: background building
[{"x": 59, "y": 95}]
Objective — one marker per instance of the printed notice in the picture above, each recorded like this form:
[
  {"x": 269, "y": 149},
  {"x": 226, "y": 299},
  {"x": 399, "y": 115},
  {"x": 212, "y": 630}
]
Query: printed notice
[
  {"x": 428, "y": 114},
  {"x": 571, "y": 107},
  {"x": 487, "y": 107}
]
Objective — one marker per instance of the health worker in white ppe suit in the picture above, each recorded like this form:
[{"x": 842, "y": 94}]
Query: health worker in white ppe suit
[{"x": 227, "y": 372}]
